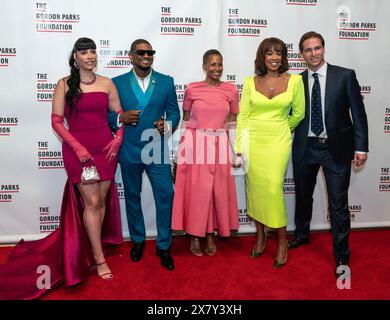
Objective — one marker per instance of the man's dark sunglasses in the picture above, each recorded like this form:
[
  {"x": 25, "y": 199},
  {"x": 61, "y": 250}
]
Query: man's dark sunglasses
[{"x": 142, "y": 52}]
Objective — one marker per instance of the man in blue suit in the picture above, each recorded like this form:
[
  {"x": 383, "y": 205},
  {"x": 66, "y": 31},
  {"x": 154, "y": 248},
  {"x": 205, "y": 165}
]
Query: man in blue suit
[
  {"x": 151, "y": 113},
  {"x": 329, "y": 138}
]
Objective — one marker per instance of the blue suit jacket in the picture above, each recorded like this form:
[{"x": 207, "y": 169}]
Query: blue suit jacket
[
  {"x": 163, "y": 102},
  {"x": 342, "y": 100}
]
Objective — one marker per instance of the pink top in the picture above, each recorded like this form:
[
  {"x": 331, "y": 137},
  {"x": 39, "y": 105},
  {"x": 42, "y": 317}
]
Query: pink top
[{"x": 210, "y": 105}]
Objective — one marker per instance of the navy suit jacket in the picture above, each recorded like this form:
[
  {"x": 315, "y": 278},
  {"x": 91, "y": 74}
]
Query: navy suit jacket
[
  {"x": 342, "y": 100},
  {"x": 163, "y": 102}
]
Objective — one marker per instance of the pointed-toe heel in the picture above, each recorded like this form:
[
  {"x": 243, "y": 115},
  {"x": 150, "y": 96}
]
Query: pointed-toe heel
[
  {"x": 254, "y": 253},
  {"x": 278, "y": 264}
]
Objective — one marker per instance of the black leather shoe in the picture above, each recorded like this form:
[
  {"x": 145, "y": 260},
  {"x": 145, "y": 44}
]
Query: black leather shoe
[
  {"x": 344, "y": 269},
  {"x": 166, "y": 259},
  {"x": 137, "y": 251},
  {"x": 294, "y": 243}
]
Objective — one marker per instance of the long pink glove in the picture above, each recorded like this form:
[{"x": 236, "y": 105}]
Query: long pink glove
[
  {"x": 113, "y": 146},
  {"x": 57, "y": 123}
]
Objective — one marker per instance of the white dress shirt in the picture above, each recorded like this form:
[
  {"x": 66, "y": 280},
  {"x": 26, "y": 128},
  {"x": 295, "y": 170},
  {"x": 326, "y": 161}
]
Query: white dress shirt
[{"x": 143, "y": 82}]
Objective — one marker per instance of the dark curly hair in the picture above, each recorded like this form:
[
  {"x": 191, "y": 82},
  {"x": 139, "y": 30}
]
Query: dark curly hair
[
  {"x": 266, "y": 45},
  {"x": 72, "y": 96}
]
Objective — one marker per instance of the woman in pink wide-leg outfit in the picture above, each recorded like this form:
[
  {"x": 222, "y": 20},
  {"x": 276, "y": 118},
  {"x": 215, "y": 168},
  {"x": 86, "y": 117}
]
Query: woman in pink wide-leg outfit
[{"x": 205, "y": 196}]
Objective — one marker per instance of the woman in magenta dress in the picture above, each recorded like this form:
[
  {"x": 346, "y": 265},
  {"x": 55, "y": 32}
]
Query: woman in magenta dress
[
  {"x": 205, "y": 195},
  {"x": 90, "y": 216}
]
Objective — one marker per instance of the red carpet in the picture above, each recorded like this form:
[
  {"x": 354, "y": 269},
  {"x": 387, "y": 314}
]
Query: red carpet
[{"x": 232, "y": 275}]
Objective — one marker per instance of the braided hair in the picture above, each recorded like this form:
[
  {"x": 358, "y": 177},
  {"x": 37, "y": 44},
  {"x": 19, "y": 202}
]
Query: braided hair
[{"x": 72, "y": 96}]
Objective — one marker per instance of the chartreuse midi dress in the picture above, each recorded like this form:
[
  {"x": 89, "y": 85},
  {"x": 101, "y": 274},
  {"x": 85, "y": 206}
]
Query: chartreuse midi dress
[{"x": 264, "y": 137}]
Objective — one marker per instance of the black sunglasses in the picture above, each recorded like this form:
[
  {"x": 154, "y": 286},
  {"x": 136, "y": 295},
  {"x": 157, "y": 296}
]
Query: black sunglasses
[{"x": 142, "y": 52}]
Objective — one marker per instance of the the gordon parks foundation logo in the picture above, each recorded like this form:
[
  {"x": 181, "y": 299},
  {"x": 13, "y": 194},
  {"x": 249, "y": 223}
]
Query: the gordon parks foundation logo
[
  {"x": 352, "y": 30},
  {"x": 354, "y": 210},
  {"x": 243, "y": 218},
  {"x": 8, "y": 191},
  {"x": 47, "y": 222},
  {"x": 288, "y": 185},
  {"x": 365, "y": 91},
  {"x": 384, "y": 180},
  {"x": 5, "y": 55},
  {"x": 295, "y": 60},
  {"x": 238, "y": 26},
  {"x": 172, "y": 25},
  {"x": 387, "y": 121},
  {"x": 309, "y": 3},
  {"x": 120, "y": 188},
  {"x": 232, "y": 78},
  {"x": 113, "y": 58},
  {"x": 45, "y": 88},
  {"x": 180, "y": 90},
  {"x": 7, "y": 124},
  {"x": 48, "y": 159},
  {"x": 53, "y": 22}
]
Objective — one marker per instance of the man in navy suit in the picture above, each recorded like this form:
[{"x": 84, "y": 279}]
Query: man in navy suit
[
  {"x": 327, "y": 138},
  {"x": 151, "y": 113}
]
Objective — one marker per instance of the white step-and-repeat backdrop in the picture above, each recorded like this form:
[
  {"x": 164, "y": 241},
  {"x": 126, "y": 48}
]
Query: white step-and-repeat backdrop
[{"x": 36, "y": 38}]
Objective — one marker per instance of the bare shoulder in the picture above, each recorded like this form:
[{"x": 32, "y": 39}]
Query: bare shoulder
[
  {"x": 286, "y": 75},
  {"x": 62, "y": 83},
  {"x": 105, "y": 83},
  {"x": 103, "y": 79}
]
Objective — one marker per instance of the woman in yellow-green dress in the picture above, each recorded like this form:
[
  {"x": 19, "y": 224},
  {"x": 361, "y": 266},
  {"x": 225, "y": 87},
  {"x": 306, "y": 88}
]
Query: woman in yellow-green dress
[{"x": 272, "y": 104}]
